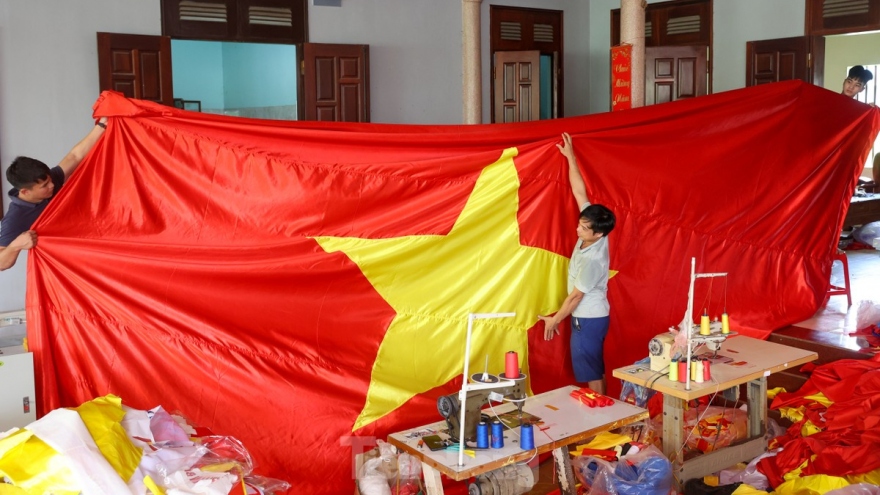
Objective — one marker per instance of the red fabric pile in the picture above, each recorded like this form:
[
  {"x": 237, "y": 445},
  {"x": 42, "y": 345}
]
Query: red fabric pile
[{"x": 849, "y": 440}]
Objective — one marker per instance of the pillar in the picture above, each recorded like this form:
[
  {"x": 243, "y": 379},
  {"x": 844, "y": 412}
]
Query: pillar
[
  {"x": 471, "y": 75},
  {"x": 632, "y": 31}
]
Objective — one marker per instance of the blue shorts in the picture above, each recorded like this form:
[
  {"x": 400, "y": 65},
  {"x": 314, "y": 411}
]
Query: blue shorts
[{"x": 587, "y": 342}]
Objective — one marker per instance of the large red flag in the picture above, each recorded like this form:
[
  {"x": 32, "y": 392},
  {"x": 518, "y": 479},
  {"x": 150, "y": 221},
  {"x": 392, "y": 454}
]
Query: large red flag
[{"x": 305, "y": 286}]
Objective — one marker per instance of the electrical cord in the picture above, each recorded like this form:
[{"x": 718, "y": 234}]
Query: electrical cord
[
  {"x": 649, "y": 383},
  {"x": 498, "y": 417},
  {"x": 700, "y": 418}
]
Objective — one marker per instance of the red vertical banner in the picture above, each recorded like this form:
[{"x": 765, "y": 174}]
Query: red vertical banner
[{"x": 621, "y": 77}]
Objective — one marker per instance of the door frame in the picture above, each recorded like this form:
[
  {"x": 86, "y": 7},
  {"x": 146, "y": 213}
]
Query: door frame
[{"x": 498, "y": 43}]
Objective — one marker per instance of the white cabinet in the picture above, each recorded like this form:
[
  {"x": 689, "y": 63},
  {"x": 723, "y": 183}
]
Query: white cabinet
[{"x": 18, "y": 406}]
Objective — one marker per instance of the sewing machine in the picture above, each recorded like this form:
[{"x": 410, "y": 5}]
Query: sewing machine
[
  {"x": 449, "y": 406},
  {"x": 690, "y": 335},
  {"x": 660, "y": 347}
]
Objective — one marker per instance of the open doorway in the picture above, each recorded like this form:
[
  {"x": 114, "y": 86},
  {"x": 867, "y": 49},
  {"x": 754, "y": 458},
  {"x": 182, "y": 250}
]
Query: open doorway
[
  {"x": 527, "y": 73},
  {"x": 843, "y": 51},
  {"x": 333, "y": 84},
  {"x": 241, "y": 79}
]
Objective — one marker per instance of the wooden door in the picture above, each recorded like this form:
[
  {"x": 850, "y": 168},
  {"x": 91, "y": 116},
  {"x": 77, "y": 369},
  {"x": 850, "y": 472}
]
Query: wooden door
[
  {"x": 519, "y": 29},
  {"x": 675, "y": 72},
  {"x": 517, "y": 86},
  {"x": 135, "y": 65},
  {"x": 784, "y": 59},
  {"x": 336, "y": 82}
]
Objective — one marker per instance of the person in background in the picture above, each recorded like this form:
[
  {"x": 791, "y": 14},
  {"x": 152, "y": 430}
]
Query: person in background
[
  {"x": 876, "y": 171},
  {"x": 34, "y": 184},
  {"x": 855, "y": 81},
  {"x": 873, "y": 186},
  {"x": 587, "y": 301}
]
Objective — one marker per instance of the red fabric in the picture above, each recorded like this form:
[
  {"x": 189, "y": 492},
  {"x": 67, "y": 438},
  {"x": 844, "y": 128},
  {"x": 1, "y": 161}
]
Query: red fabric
[
  {"x": 849, "y": 442},
  {"x": 178, "y": 266}
]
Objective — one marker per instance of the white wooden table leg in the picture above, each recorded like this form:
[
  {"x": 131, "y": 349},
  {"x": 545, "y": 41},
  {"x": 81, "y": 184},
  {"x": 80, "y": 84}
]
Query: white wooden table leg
[
  {"x": 564, "y": 472},
  {"x": 433, "y": 484}
]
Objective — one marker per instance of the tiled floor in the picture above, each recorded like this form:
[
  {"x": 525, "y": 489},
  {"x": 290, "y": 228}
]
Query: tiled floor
[{"x": 864, "y": 276}]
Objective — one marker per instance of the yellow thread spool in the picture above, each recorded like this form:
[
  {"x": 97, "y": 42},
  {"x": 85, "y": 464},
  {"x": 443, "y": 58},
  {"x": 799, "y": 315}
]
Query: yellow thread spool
[
  {"x": 725, "y": 324},
  {"x": 704, "y": 323},
  {"x": 673, "y": 370},
  {"x": 693, "y": 370}
]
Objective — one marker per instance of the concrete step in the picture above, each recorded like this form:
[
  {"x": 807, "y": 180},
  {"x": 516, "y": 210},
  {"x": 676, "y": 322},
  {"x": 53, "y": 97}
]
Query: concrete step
[{"x": 830, "y": 346}]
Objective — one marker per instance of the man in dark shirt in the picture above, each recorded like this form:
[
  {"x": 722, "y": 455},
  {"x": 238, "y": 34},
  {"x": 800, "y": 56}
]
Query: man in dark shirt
[{"x": 33, "y": 185}]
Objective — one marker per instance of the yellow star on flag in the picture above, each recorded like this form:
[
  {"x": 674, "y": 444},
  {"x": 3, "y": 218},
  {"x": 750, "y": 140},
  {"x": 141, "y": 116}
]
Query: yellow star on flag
[{"x": 434, "y": 281}]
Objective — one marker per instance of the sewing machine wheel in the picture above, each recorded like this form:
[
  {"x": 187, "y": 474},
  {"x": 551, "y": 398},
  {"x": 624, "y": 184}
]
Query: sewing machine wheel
[
  {"x": 446, "y": 406},
  {"x": 655, "y": 347}
]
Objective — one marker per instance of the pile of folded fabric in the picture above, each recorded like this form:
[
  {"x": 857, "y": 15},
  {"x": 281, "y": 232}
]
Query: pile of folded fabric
[
  {"x": 105, "y": 448},
  {"x": 832, "y": 446}
]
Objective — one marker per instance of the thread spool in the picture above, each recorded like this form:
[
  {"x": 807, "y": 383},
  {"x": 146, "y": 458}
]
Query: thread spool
[
  {"x": 673, "y": 370},
  {"x": 682, "y": 370},
  {"x": 693, "y": 370},
  {"x": 725, "y": 323},
  {"x": 707, "y": 374},
  {"x": 527, "y": 437},
  {"x": 482, "y": 435},
  {"x": 511, "y": 365},
  {"x": 497, "y": 435},
  {"x": 698, "y": 376},
  {"x": 704, "y": 323}
]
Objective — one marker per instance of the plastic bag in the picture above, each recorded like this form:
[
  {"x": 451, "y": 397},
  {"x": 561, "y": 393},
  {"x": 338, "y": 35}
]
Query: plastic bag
[
  {"x": 226, "y": 454},
  {"x": 389, "y": 474},
  {"x": 713, "y": 427},
  {"x": 647, "y": 472},
  {"x": 773, "y": 430},
  {"x": 636, "y": 394},
  {"x": 857, "y": 489},
  {"x": 265, "y": 486},
  {"x": 750, "y": 475},
  {"x": 867, "y": 314},
  {"x": 372, "y": 480},
  {"x": 868, "y": 234},
  {"x": 409, "y": 468}
]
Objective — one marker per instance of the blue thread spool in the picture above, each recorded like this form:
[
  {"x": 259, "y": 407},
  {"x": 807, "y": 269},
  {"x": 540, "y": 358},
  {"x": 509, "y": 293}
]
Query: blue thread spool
[
  {"x": 497, "y": 435},
  {"x": 527, "y": 437},
  {"x": 482, "y": 435}
]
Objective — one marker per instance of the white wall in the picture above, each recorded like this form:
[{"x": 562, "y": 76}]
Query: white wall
[
  {"x": 739, "y": 21},
  {"x": 734, "y": 23},
  {"x": 419, "y": 42},
  {"x": 842, "y": 52},
  {"x": 49, "y": 81},
  {"x": 415, "y": 54}
]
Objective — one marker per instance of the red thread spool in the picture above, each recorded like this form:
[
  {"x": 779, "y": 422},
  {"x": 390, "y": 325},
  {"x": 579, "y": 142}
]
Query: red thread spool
[
  {"x": 511, "y": 365},
  {"x": 683, "y": 370},
  {"x": 707, "y": 375}
]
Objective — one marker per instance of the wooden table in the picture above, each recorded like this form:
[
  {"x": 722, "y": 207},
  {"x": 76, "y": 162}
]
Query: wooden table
[
  {"x": 863, "y": 210},
  {"x": 565, "y": 422},
  {"x": 753, "y": 361}
]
